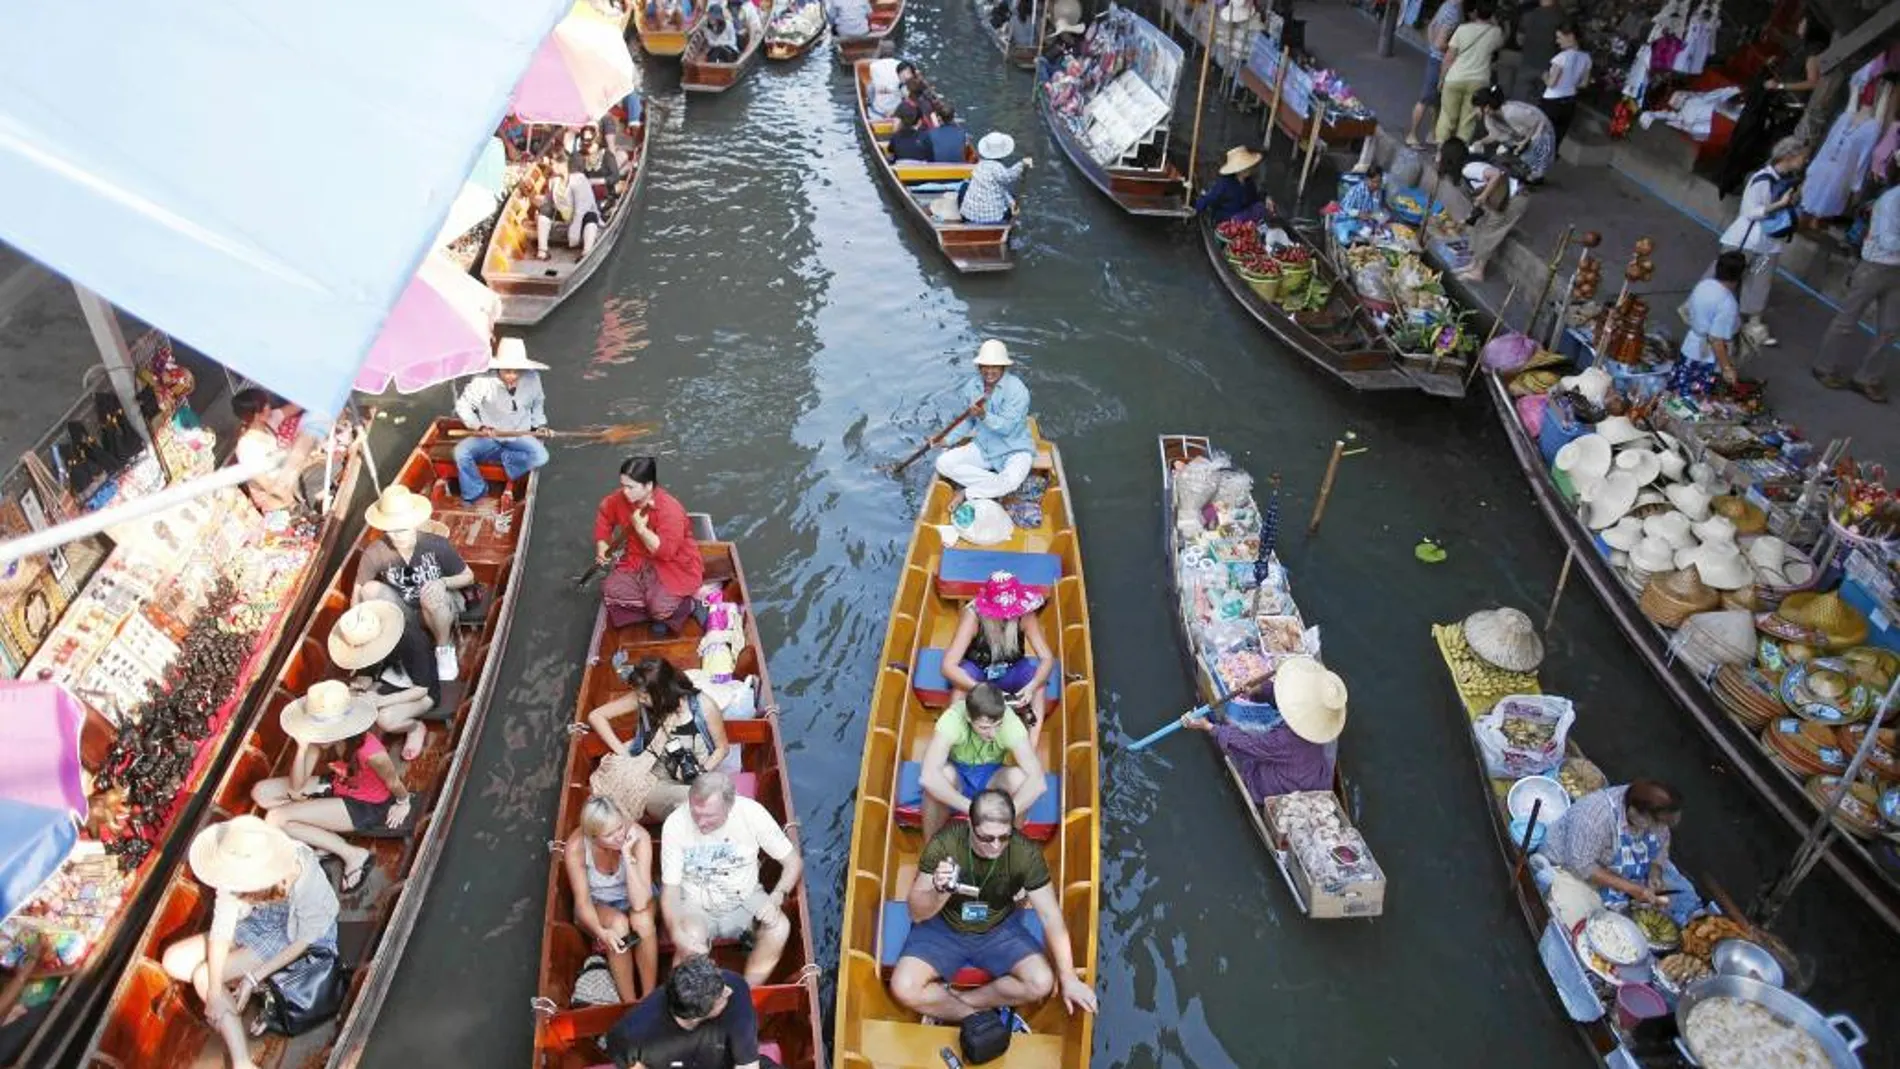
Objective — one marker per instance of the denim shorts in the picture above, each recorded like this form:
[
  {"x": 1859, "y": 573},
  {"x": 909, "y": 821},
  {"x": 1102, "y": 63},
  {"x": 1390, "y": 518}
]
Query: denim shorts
[
  {"x": 946, "y": 950},
  {"x": 1428, "y": 92}
]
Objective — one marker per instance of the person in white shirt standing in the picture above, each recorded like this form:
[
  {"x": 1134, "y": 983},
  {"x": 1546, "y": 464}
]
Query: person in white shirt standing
[
  {"x": 1874, "y": 284},
  {"x": 1763, "y": 228},
  {"x": 507, "y": 412},
  {"x": 1708, "y": 350},
  {"x": 1569, "y": 70}
]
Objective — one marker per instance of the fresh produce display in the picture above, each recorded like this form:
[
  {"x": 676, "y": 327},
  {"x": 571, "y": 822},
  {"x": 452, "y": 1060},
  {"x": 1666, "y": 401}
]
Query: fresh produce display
[
  {"x": 1580, "y": 776},
  {"x": 1408, "y": 301},
  {"x": 1700, "y": 935},
  {"x": 1678, "y": 971},
  {"x": 1657, "y": 927},
  {"x": 1477, "y": 677}
]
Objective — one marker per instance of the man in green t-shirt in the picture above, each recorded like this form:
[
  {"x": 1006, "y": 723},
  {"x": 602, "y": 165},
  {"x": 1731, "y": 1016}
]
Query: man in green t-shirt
[
  {"x": 965, "y": 910},
  {"x": 966, "y": 754}
]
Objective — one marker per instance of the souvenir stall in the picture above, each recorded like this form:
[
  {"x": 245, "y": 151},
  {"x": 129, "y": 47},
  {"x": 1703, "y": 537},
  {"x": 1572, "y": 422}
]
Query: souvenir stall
[
  {"x": 1242, "y": 624},
  {"x": 1305, "y": 89},
  {"x": 1115, "y": 96},
  {"x": 1231, "y": 25},
  {"x": 156, "y": 629}
]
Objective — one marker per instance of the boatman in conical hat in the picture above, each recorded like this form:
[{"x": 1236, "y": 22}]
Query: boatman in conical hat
[
  {"x": 507, "y": 412},
  {"x": 997, "y": 459}
]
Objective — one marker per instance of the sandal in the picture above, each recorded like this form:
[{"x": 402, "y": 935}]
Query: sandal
[
  {"x": 1828, "y": 379},
  {"x": 353, "y": 878},
  {"x": 1872, "y": 391}
]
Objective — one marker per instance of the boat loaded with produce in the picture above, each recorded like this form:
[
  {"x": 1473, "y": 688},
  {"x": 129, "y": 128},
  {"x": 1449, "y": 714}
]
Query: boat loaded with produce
[
  {"x": 152, "y": 637},
  {"x": 1648, "y": 984},
  {"x": 1256, "y": 657},
  {"x": 1752, "y": 572}
]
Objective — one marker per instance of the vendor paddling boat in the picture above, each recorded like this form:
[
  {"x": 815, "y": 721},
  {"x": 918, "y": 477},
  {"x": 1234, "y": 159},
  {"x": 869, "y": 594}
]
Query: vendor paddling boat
[
  {"x": 664, "y": 30},
  {"x": 61, "y": 1023},
  {"x": 1021, "y": 55},
  {"x": 1113, "y": 124},
  {"x": 530, "y": 287},
  {"x": 970, "y": 247},
  {"x": 153, "y": 1022},
  {"x": 886, "y": 17},
  {"x": 886, "y": 838},
  {"x": 566, "y": 1029},
  {"x": 795, "y": 29},
  {"x": 1348, "y": 881},
  {"x": 1866, "y": 864},
  {"x": 701, "y": 75}
]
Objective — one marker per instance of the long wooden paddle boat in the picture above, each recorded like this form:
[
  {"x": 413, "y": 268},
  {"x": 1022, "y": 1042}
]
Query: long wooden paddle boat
[
  {"x": 788, "y": 1005},
  {"x": 886, "y": 17},
  {"x": 1336, "y": 338},
  {"x": 1021, "y": 56},
  {"x": 971, "y": 248},
  {"x": 795, "y": 30},
  {"x": 1159, "y": 191},
  {"x": 886, "y": 836},
  {"x": 153, "y": 1022},
  {"x": 1870, "y": 869},
  {"x": 1363, "y": 899},
  {"x": 666, "y": 34},
  {"x": 530, "y": 287},
  {"x": 81, "y": 990},
  {"x": 701, "y": 75}
]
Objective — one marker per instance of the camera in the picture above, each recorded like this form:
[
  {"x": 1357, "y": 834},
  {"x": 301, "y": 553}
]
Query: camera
[{"x": 682, "y": 764}]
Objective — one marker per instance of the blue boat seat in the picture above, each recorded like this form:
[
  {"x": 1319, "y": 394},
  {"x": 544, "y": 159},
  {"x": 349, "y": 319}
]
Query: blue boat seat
[
  {"x": 933, "y": 690},
  {"x": 1040, "y": 823},
  {"x": 961, "y": 573}
]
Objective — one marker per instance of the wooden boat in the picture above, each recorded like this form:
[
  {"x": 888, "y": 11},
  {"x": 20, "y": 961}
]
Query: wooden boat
[
  {"x": 151, "y": 1021},
  {"x": 530, "y": 288},
  {"x": 666, "y": 36},
  {"x": 1870, "y": 870},
  {"x": 1160, "y": 191},
  {"x": 76, "y": 1002},
  {"x": 1358, "y": 902},
  {"x": 782, "y": 42},
  {"x": 788, "y": 1006},
  {"x": 971, "y": 248},
  {"x": 701, "y": 75},
  {"x": 872, "y": 1029},
  {"x": 886, "y": 17},
  {"x": 1020, "y": 56}
]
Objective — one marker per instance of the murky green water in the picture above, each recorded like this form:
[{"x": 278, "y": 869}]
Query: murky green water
[{"x": 791, "y": 333}]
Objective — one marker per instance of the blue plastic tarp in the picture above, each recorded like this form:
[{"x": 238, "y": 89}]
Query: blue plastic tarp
[
  {"x": 34, "y": 843},
  {"x": 42, "y": 795},
  {"x": 259, "y": 180}
]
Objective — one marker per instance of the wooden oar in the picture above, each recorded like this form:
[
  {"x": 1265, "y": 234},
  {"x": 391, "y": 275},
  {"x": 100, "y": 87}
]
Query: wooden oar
[
  {"x": 934, "y": 440},
  {"x": 614, "y": 546},
  {"x": 609, "y": 434},
  {"x": 1197, "y": 712}
]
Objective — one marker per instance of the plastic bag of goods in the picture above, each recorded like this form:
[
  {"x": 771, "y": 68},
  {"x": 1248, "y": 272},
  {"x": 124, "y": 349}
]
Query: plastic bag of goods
[
  {"x": 1523, "y": 735},
  {"x": 1194, "y": 486},
  {"x": 1234, "y": 487}
]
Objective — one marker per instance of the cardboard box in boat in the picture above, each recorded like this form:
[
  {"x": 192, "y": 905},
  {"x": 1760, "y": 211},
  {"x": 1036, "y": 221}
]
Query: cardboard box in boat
[{"x": 1334, "y": 901}]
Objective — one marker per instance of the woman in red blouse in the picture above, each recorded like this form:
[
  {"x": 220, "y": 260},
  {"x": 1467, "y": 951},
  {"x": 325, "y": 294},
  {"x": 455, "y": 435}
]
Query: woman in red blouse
[{"x": 659, "y": 570}]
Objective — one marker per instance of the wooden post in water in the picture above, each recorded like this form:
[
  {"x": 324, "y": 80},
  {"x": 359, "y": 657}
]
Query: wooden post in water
[
  {"x": 1563, "y": 577},
  {"x": 1326, "y": 485},
  {"x": 1273, "y": 113},
  {"x": 1194, "y": 140},
  {"x": 1315, "y": 121}
]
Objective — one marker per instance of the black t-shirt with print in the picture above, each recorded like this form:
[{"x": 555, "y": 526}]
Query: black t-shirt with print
[
  {"x": 434, "y": 558},
  {"x": 650, "y": 1037}
]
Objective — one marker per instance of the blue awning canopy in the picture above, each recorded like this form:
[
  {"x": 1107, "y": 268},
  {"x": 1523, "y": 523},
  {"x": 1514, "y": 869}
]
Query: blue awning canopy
[{"x": 259, "y": 180}]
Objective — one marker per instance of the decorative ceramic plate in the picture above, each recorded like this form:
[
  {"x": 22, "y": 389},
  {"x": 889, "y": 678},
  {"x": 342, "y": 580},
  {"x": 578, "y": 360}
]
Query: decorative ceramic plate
[{"x": 1826, "y": 691}]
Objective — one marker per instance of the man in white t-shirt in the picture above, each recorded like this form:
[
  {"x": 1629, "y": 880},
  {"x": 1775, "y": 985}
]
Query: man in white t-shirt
[{"x": 709, "y": 875}]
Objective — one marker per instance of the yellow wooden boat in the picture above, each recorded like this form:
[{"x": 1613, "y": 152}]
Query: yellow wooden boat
[
  {"x": 667, "y": 32},
  {"x": 873, "y": 1030}
]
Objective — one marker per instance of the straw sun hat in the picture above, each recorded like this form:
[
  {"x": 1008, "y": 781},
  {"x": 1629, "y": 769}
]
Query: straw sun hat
[
  {"x": 1584, "y": 459},
  {"x": 511, "y": 354},
  {"x": 1311, "y": 698},
  {"x": 398, "y": 508},
  {"x": 995, "y": 145},
  {"x": 327, "y": 713},
  {"x": 1609, "y": 499},
  {"x": 993, "y": 353},
  {"x": 365, "y": 635},
  {"x": 1619, "y": 430},
  {"x": 1240, "y": 159},
  {"x": 243, "y": 854},
  {"x": 1503, "y": 637}
]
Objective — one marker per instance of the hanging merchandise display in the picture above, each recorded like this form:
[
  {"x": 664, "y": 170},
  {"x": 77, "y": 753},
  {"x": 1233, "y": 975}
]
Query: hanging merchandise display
[
  {"x": 1116, "y": 92},
  {"x": 1839, "y": 169},
  {"x": 1344, "y": 118}
]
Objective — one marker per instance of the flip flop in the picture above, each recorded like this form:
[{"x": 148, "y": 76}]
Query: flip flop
[{"x": 353, "y": 878}]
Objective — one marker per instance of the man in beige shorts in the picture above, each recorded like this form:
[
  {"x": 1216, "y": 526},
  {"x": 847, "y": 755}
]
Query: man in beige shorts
[{"x": 709, "y": 875}]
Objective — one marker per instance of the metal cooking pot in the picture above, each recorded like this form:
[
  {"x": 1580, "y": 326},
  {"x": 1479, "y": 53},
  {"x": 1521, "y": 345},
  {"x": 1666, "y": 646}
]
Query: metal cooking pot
[{"x": 1838, "y": 1035}]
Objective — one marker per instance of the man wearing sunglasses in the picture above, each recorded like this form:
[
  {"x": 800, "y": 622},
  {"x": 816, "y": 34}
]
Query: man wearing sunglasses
[{"x": 965, "y": 910}]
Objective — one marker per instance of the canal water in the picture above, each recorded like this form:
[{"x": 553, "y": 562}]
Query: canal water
[{"x": 790, "y": 333}]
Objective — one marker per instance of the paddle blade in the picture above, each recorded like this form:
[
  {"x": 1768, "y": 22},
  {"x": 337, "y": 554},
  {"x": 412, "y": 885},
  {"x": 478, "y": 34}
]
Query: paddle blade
[{"x": 621, "y": 433}]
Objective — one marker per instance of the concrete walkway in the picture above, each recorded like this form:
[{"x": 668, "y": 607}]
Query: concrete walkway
[{"x": 1604, "y": 199}]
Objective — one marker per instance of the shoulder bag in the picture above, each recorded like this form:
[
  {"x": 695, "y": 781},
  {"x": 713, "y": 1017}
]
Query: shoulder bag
[{"x": 304, "y": 994}]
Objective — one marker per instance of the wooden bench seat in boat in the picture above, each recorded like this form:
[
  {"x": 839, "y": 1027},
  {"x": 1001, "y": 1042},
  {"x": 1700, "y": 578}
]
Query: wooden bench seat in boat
[
  {"x": 961, "y": 573},
  {"x": 933, "y": 689},
  {"x": 1040, "y": 823},
  {"x": 902, "y": 1045},
  {"x": 895, "y": 928}
]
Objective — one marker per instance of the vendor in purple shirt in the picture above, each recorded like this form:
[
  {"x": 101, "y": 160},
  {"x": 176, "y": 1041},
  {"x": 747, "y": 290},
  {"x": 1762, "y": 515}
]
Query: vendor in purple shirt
[{"x": 1294, "y": 750}]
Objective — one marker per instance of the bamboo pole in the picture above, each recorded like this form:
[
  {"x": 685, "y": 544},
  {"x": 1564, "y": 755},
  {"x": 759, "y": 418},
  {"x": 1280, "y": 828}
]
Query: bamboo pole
[
  {"x": 1273, "y": 113},
  {"x": 1431, "y": 208},
  {"x": 1563, "y": 577},
  {"x": 1314, "y": 122},
  {"x": 1326, "y": 485},
  {"x": 1550, "y": 279},
  {"x": 1194, "y": 140},
  {"x": 1497, "y": 321}
]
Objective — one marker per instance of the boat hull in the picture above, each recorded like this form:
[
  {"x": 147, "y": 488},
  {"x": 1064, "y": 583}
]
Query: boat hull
[
  {"x": 1159, "y": 193},
  {"x": 701, "y": 76}
]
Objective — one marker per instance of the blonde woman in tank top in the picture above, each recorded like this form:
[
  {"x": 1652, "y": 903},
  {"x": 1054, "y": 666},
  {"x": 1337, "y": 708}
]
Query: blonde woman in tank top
[{"x": 610, "y": 872}]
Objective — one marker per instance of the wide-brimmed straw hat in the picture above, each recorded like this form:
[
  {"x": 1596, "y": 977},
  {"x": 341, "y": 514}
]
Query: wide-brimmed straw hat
[
  {"x": 995, "y": 145},
  {"x": 1691, "y": 498},
  {"x": 398, "y": 508},
  {"x": 365, "y": 635},
  {"x": 1828, "y": 614},
  {"x": 1619, "y": 430},
  {"x": 1592, "y": 384},
  {"x": 1311, "y": 698},
  {"x": 511, "y": 354},
  {"x": 1504, "y": 638},
  {"x": 993, "y": 353},
  {"x": 1584, "y": 459},
  {"x": 1723, "y": 567},
  {"x": 243, "y": 854},
  {"x": 1641, "y": 462},
  {"x": 328, "y": 712},
  {"x": 1624, "y": 533},
  {"x": 1672, "y": 527},
  {"x": 1609, "y": 499},
  {"x": 1240, "y": 159},
  {"x": 1716, "y": 529},
  {"x": 1004, "y": 597}
]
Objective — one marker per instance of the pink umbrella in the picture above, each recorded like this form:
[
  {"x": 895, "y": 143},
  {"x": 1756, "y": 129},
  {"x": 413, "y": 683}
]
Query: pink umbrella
[
  {"x": 439, "y": 329},
  {"x": 580, "y": 71}
]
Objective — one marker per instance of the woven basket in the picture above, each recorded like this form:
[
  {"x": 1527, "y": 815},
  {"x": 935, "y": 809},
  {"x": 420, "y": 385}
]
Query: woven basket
[
  {"x": 1267, "y": 286},
  {"x": 1672, "y": 597}
]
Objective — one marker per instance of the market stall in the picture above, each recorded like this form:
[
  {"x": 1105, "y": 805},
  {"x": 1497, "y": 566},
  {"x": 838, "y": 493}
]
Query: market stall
[
  {"x": 158, "y": 628},
  {"x": 1307, "y": 89},
  {"x": 1378, "y": 255},
  {"x": 1110, "y": 104}
]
